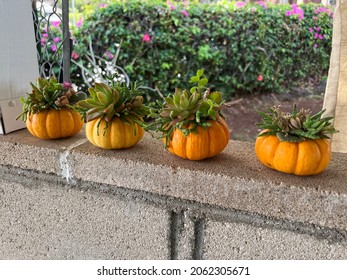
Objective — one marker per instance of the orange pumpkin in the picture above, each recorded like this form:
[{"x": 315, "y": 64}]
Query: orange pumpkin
[
  {"x": 114, "y": 135},
  {"x": 54, "y": 124},
  {"x": 204, "y": 143},
  {"x": 307, "y": 157}
]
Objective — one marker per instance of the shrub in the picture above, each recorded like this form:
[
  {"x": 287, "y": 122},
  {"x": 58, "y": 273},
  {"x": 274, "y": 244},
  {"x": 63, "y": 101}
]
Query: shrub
[{"x": 245, "y": 48}]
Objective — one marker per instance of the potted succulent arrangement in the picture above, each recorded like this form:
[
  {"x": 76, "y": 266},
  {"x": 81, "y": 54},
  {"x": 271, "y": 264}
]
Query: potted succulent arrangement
[
  {"x": 114, "y": 115},
  {"x": 47, "y": 109},
  {"x": 190, "y": 122},
  {"x": 296, "y": 142}
]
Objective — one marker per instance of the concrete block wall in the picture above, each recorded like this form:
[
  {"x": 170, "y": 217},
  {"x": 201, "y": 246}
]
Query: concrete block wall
[{"x": 66, "y": 199}]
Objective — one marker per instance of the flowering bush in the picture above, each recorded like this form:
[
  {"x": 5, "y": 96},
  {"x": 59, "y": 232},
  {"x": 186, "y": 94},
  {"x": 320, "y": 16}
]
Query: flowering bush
[{"x": 245, "y": 47}]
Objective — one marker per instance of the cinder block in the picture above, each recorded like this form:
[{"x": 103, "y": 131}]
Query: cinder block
[
  {"x": 21, "y": 149},
  {"x": 227, "y": 240},
  {"x": 41, "y": 220},
  {"x": 232, "y": 180}
]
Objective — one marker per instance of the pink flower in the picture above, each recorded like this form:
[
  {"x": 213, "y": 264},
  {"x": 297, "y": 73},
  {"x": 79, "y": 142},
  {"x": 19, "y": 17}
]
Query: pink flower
[
  {"x": 317, "y": 29},
  {"x": 261, "y": 3},
  {"x": 240, "y": 4},
  {"x": 103, "y": 5},
  {"x": 56, "y": 39},
  {"x": 260, "y": 78},
  {"x": 185, "y": 13},
  {"x": 45, "y": 35},
  {"x": 43, "y": 41},
  {"x": 108, "y": 55},
  {"x": 55, "y": 23},
  {"x": 74, "y": 55},
  {"x": 54, "y": 47},
  {"x": 253, "y": 10},
  {"x": 310, "y": 29},
  {"x": 321, "y": 37},
  {"x": 315, "y": 46},
  {"x": 79, "y": 22},
  {"x": 295, "y": 11},
  {"x": 185, "y": 3},
  {"x": 316, "y": 35},
  {"x": 146, "y": 38},
  {"x": 172, "y": 7},
  {"x": 314, "y": 18},
  {"x": 66, "y": 85}
]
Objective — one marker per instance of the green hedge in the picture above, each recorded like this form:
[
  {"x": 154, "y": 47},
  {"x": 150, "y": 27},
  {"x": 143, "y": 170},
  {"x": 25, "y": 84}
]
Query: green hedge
[{"x": 244, "y": 48}]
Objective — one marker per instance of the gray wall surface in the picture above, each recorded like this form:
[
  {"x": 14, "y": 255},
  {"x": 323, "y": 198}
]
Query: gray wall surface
[{"x": 66, "y": 199}]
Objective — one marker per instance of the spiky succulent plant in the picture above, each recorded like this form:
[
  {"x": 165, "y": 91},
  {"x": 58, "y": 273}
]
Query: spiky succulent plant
[
  {"x": 296, "y": 126},
  {"x": 187, "y": 109},
  {"x": 118, "y": 100},
  {"x": 49, "y": 94}
]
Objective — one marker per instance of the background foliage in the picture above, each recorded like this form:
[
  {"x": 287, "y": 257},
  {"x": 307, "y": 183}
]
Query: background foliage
[{"x": 244, "y": 48}]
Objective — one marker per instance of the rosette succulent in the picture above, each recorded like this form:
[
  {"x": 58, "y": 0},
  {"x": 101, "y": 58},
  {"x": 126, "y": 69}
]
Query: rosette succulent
[
  {"x": 190, "y": 122},
  {"x": 114, "y": 115},
  {"x": 47, "y": 109},
  {"x": 295, "y": 142}
]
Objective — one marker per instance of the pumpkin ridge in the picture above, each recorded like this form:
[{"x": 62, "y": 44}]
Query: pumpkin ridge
[
  {"x": 216, "y": 128},
  {"x": 61, "y": 119},
  {"x": 53, "y": 129},
  {"x": 112, "y": 137},
  {"x": 122, "y": 130},
  {"x": 286, "y": 156},
  {"x": 305, "y": 158},
  {"x": 325, "y": 152},
  {"x": 320, "y": 156},
  {"x": 209, "y": 137},
  {"x": 44, "y": 133},
  {"x": 73, "y": 120},
  {"x": 224, "y": 125},
  {"x": 29, "y": 124}
]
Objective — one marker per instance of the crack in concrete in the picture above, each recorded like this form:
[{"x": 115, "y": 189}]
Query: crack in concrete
[{"x": 66, "y": 171}]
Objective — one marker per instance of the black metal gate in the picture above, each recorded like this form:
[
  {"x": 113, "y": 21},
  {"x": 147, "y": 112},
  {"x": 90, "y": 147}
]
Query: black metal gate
[{"x": 53, "y": 38}]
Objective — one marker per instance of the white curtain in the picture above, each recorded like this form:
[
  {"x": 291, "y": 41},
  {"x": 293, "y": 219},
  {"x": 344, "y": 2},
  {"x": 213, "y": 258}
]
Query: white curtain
[{"x": 335, "y": 100}]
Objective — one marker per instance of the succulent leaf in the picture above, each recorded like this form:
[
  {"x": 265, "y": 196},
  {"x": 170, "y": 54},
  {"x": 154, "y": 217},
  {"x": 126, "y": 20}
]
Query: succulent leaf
[
  {"x": 295, "y": 126},
  {"x": 92, "y": 92},
  {"x": 216, "y": 97},
  {"x": 102, "y": 97}
]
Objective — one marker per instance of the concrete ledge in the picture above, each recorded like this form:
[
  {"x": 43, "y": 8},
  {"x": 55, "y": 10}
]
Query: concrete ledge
[{"x": 232, "y": 181}]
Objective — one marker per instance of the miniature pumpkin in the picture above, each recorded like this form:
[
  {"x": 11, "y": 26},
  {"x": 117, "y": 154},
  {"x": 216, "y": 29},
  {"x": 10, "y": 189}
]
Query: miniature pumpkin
[
  {"x": 48, "y": 111},
  {"x": 307, "y": 157},
  {"x": 54, "y": 124},
  {"x": 114, "y": 115},
  {"x": 204, "y": 143},
  {"x": 118, "y": 134},
  {"x": 190, "y": 121},
  {"x": 294, "y": 143}
]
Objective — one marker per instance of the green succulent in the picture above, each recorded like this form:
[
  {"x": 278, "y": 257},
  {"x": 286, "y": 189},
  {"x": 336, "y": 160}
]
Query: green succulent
[
  {"x": 296, "y": 126},
  {"x": 118, "y": 100},
  {"x": 49, "y": 94},
  {"x": 196, "y": 106}
]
